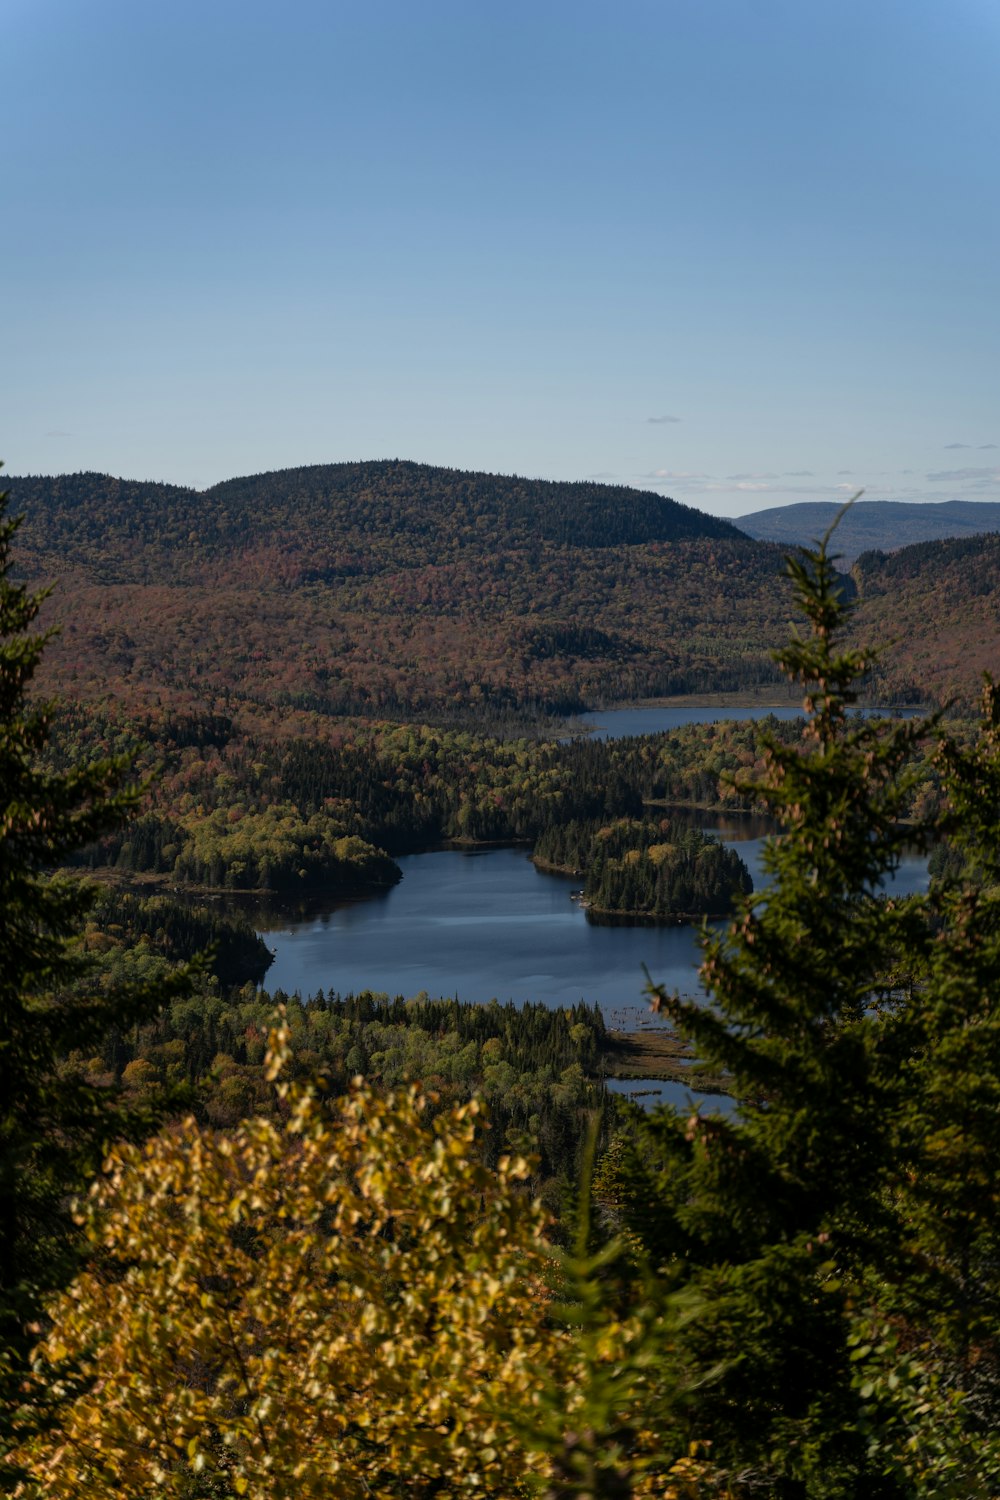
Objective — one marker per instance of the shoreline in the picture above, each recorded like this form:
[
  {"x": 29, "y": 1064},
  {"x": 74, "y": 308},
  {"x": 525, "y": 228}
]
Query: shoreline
[
  {"x": 763, "y": 697},
  {"x": 658, "y": 1056},
  {"x": 769, "y": 697}
]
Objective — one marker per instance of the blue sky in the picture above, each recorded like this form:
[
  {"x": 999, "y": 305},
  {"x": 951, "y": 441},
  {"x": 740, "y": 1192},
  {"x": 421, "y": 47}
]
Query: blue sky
[{"x": 742, "y": 253}]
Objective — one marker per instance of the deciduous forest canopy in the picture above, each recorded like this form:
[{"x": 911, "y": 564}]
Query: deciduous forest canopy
[{"x": 402, "y": 590}]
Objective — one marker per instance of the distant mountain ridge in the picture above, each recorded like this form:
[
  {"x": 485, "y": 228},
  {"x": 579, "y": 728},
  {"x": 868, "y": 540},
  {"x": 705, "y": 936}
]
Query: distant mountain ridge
[
  {"x": 397, "y": 590},
  {"x": 394, "y": 589},
  {"x": 882, "y": 525},
  {"x": 332, "y": 509}
]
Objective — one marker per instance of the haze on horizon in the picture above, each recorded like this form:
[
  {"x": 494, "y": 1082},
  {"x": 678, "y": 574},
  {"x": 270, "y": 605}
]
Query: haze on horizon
[{"x": 745, "y": 254}]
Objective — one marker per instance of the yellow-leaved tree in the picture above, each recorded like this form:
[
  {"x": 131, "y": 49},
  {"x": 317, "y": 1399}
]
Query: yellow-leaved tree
[
  {"x": 336, "y": 1302},
  {"x": 342, "y": 1301}
]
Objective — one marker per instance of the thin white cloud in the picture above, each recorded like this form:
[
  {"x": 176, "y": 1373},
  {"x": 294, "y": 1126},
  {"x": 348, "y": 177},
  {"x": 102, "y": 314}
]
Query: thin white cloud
[
  {"x": 963, "y": 476},
  {"x": 766, "y": 487},
  {"x": 693, "y": 484},
  {"x": 762, "y": 490},
  {"x": 958, "y": 476},
  {"x": 662, "y": 474},
  {"x": 663, "y": 421}
]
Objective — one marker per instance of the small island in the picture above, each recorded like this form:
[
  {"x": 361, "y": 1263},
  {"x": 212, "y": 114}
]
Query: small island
[{"x": 644, "y": 868}]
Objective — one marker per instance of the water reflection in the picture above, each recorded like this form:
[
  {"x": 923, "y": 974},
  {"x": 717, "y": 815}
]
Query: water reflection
[
  {"x": 650, "y": 1092},
  {"x": 478, "y": 925},
  {"x": 623, "y": 723},
  {"x": 486, "y": 924}
]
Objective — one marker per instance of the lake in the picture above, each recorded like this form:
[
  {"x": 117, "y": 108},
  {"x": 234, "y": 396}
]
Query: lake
[
  {"x": 481, "y": 924},
  {"x": 485, "y": 923},
  {"x": 622, "y": 723},
  {"x": 649, "y": 1092}
]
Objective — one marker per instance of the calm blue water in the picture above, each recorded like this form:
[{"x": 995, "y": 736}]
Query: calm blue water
[
  {"x": 485, "y": 923},
  {"x": 649, "y": 1092},
  {"x": 622, "y": 723},
  {"x": 480, "y": 925}
]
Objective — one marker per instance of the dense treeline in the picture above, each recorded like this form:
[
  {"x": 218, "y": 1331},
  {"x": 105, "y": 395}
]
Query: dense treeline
[
  {"x": 273, "y": 849},
  {"x": 934, "y": 609},
  {"x": 637, "y": 867},
  {"x": 246, "y": 814},
  {"x": 539, "y": 1069},
  {"x": 231, "y": 811},
  {"x": 132, "y": 930},
  {"x": 345, "y": 513}
]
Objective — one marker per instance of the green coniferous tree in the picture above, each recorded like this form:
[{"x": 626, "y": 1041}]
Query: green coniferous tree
[
  {"x": 783, "y": 1220},
  {"x": 53, "y": 1123},
  {"x": 951, "y": 1126}
]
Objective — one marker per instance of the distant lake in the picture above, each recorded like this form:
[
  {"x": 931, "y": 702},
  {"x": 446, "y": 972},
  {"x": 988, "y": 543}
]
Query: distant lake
[
  {"x": 622, "y": 723},
  {"x": 484, "y": 924},
  {"x": 649, "y": 1092}
]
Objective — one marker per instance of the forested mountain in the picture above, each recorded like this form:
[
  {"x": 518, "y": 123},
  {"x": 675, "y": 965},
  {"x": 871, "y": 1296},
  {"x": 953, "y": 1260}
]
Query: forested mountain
[
  {"x": 937, "y": 605},
  {"x": 393, "y": 589},
  {"x": 341, "y": 519},
  {"x": 396, "y": 590},
  {"x": 871, "y": 524}
]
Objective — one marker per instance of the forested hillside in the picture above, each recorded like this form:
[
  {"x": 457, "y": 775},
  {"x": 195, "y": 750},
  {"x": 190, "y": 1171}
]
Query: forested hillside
[
  {"x": 393, "y": 589},
  {"x": 934, "y": 609},
  {"x": 343, "y": 517},
  {"x": 297, "y": 815},
  {"x": 397, "y": 590}
]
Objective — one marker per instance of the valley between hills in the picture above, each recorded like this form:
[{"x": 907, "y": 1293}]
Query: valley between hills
[{"x": 322, "y": 669}]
